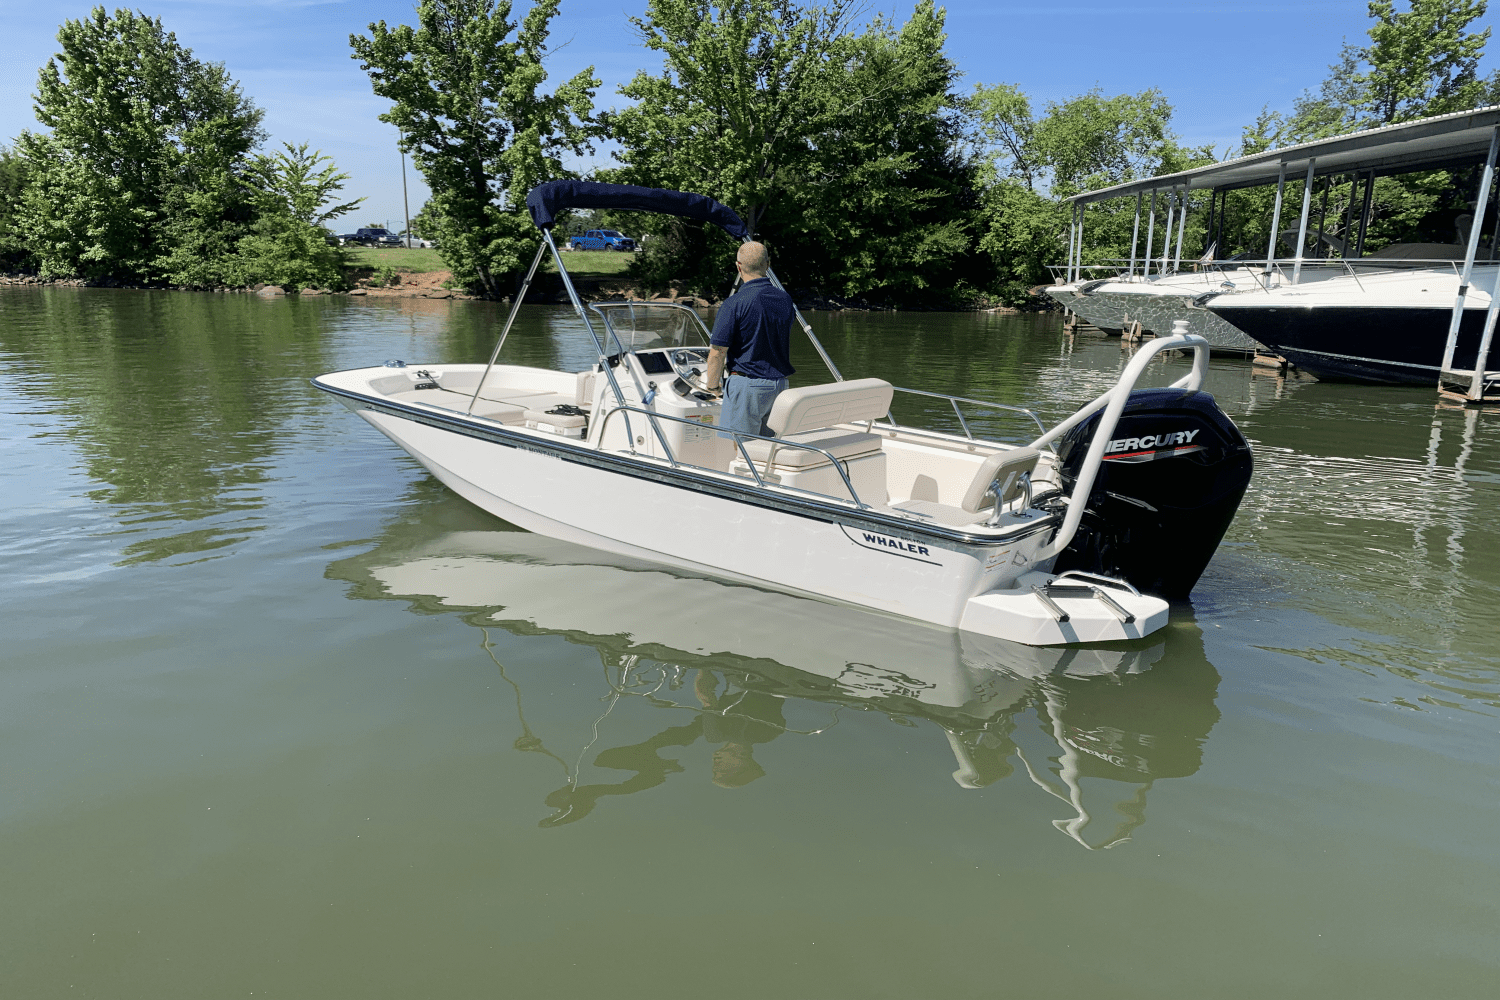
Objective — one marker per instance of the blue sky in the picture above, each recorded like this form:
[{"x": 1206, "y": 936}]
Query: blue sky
[{"x": 1218, "y": 62}]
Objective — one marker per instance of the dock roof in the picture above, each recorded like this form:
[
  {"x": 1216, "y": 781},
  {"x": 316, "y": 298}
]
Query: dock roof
[{"x": 1453, "y": 140}]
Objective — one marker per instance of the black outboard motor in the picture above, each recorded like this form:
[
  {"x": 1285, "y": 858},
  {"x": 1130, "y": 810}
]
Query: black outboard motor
[{"x": 1171, "y": 480}]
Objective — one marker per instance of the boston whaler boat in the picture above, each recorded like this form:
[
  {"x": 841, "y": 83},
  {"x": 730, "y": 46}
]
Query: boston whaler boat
[{"x": 1074, "y": 536}]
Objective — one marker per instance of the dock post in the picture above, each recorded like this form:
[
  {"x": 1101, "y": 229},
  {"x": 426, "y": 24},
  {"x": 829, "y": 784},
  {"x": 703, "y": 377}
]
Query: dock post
[
  {"x": 1135, "y": 232},
  {"x": 1081, "y": 208},
  {"x": 1478, "y": 383},
  {"x": 1150, "y": 236},
  {"x": 1166, "y": 246},
  {"x": 1181, "y": 225},
  {"x": 1456, "y": 319},
  {"x": 1307, "y": 186},
  {"x": 1208, "y": 231},
  {"x": 1364, "y": 215},
  {"x": 1275, "y": 219}
]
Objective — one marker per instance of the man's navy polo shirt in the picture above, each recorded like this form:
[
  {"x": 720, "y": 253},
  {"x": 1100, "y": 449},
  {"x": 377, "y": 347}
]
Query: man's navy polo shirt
[{"x": 756, "y": 325}]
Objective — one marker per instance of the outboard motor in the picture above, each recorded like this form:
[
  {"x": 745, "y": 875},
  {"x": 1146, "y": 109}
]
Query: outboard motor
[{"x": 1171, "y": 480}]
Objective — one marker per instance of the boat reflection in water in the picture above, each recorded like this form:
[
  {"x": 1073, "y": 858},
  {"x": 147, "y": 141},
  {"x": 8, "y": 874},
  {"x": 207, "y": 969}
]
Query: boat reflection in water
[{"x": 727, "y": 660}]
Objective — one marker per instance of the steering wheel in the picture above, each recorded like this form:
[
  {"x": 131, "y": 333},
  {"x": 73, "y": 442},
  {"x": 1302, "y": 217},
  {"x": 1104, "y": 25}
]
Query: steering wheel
[{"x": 689, "y": 364}]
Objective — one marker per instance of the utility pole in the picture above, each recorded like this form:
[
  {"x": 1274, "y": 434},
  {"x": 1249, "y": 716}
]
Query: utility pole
[{"x": 405, "y": 205}]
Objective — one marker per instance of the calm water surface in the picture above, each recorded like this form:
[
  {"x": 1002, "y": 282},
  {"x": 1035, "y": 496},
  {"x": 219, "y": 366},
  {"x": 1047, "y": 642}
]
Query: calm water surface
[{"x": 280, "y": 716}]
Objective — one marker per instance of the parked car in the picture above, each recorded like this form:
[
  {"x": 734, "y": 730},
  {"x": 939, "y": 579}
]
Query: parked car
[
  {"x": 370, "y": 238},
  {"x": 602, "y": 239}
]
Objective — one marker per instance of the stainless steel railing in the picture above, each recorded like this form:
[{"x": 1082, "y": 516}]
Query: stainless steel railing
[
  {"x": 739, "y": 440},
  {"x": 954, "y": 401}
]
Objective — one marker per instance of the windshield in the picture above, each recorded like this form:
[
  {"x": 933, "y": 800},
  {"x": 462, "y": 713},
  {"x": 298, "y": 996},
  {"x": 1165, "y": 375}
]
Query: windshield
[
  {"x": 641, "y": 326},
  {"x": 609, "y": 232}
]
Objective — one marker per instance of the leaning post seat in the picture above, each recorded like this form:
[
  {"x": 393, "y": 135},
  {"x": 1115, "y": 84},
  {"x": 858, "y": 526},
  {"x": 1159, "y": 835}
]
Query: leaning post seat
[
  {"x": 979, "y": 500},
  {"x": 817, "y": 416}
]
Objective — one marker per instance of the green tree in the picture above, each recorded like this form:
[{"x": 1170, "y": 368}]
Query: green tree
[
  {"x": 839, "y": 149},
  {"x": 296, "y": 193},
  {"x": 466, "y": 99},
  {"x": 1080, "y": 144},
  {"x": 1422, "y": 61},
  {"x": 139, "y": 171},
  {"x": 14, "y": 177},
  {"x": 1006, "y": 130},
  {"x": 740, "y": 101},
  {"x": 1092, "y": 141},
  {"x": 290, "y": 183},
  {"x": 885, "y": 208}
]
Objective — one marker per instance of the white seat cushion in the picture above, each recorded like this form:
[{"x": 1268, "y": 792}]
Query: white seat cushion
[
  {"x": 505, "y": 413},
  {"x": 815, "y": 406},
  {"x": 841, "y": 444},
  {"x": 1007, "y": 466}
]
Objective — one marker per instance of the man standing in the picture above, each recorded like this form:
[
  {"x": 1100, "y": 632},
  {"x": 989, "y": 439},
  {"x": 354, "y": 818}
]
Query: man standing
[{"x": 751, "y": 346}]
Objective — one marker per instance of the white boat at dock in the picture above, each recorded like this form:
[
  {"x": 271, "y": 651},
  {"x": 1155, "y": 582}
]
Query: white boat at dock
[
  {"x": 1373, "y": 316},
  {"x": 1051, "y": 540}
]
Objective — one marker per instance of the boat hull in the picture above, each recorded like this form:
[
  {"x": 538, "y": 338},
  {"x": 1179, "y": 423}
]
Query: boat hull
[
  {"x": 830, "y": 557},
  {"x": 1387, "y": 345}
]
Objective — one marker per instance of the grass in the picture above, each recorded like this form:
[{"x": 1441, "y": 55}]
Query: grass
[
  {"x": 581, "y": 263},
  {"x": 417, "y": 260},
  {"x": 594, "y": 263}
]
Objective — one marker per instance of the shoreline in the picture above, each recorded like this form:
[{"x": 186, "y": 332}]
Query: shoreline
[{"x": 428, "y": 285}]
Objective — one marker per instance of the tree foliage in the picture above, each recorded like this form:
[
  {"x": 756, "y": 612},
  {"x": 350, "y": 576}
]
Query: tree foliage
[
  {"x": 1422, "y": 61},
  {"x": 290, "y": 183},
  {"x": 146, "y": 145},
  {"x": 465, "y": 88},
  {"x": 14, "y": 177},
  {"x": 840, "y": 149},
  {"x": 1079, "y": 144}
]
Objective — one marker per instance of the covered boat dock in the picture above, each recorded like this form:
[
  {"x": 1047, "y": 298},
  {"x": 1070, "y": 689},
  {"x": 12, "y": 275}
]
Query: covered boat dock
[{"x": 1443, "y": 142}]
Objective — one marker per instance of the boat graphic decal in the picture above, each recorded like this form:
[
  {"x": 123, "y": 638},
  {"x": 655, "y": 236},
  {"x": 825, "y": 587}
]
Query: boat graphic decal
[
  {"x": 907, "y": 548},
  {"x": 1151, "y": 447},
  {"x": 1131, "y": 457}
]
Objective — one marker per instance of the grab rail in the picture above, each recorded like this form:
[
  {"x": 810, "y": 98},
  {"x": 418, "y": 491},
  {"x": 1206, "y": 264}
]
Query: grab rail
[
  {"x": 1113, "y": 403},
  {"x": 955, "y": 400},
  {"x": 739, "y": 437}
]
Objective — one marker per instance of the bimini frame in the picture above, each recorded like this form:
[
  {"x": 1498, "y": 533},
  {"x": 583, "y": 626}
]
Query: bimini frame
[
  {"x": 1463, "y": 139},
  {"x": 546, "y": 200}
]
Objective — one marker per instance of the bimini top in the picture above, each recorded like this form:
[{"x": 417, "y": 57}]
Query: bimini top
[
  {"x": 1443, "y": 141},
  {"x": 546, "y": 200}
]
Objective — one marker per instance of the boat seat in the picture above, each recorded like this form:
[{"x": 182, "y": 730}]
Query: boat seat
[
  {"x": 1007, "y": 466},
  {"x": 812, "y": 407},
  {"x": 840, "y": 443},
  {"x": 505, "y": 413}
]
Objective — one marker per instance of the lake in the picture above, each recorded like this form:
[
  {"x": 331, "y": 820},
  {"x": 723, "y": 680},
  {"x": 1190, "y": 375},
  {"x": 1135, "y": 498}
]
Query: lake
[{"x": 283, "y": 717}]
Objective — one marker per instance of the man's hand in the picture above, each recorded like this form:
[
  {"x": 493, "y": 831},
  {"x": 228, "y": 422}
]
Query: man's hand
[{"x": 713, "y": 378}]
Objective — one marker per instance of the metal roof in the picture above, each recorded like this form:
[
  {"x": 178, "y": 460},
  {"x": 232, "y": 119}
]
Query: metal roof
[{"x": 1425, "y": 144}]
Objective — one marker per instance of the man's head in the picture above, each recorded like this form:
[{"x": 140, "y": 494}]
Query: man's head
[{"x": 752, "y": 260}]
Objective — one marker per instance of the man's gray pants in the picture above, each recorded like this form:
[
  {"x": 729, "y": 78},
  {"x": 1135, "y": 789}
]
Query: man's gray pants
[{"x": 748, "y": 402}]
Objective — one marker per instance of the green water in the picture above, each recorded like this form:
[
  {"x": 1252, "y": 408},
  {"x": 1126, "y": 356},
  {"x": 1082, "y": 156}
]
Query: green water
[{"x": 281, "y": 717}]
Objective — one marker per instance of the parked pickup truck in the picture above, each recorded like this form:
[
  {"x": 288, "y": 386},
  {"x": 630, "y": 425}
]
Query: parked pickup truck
[
  {"x": 370, "y": 238},
  {"x": 602, "y": 239}
]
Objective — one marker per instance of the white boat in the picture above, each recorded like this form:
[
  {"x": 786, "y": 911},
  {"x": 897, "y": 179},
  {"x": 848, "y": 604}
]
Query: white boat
[
  {"x": 843, "y": 504},
  {"x": 1160, "y": 300},
  {"x": 1386, "y": 327}
]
